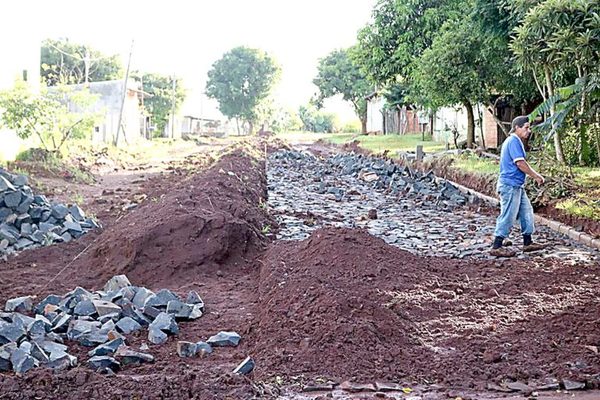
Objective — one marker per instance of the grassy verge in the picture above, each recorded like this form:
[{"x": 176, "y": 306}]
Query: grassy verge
[{"x": 374, "y": 143}]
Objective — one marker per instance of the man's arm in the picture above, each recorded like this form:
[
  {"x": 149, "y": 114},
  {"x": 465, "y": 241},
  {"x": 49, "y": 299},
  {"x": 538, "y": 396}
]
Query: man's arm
[{"x": 524, "y": 167}]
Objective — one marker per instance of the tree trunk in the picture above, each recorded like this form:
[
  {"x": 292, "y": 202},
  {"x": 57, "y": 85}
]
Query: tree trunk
[
  {"x": 250, "y": 127},
  {"x": 557, "y": 137},
  {"x": 431, "y": 115},
  {"x": 237, "y": 124},
  {"x": 363, "y": 123},
  {"x": 470, "y": 124}
]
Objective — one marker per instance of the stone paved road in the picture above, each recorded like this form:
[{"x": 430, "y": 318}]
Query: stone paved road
[{"x": 307, "y": 192}]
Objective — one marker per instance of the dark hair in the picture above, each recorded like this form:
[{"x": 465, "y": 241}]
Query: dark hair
[{"x": 519, "y": 122}]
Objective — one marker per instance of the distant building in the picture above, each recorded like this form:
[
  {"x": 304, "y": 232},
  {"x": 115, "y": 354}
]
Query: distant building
[
  {"x": 134, "y": 122},
  {"x": 446, "y": 121}
]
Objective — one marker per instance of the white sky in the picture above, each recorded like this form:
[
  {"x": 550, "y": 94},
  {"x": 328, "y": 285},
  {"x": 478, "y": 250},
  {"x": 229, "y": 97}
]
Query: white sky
[{"x": 186, "y": 37}]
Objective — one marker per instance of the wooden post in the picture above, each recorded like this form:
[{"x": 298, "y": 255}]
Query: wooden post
[{"x": 123, "y": 97}]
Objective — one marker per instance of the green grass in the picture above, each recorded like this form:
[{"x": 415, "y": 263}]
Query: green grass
[
  {"x": 374, "y": 143},
  {"x": 582, "y": 205},
  {"x": 476, "y": 165}
]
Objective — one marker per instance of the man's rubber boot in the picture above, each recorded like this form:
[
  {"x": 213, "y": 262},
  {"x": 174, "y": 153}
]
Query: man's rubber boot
[
  {"x": 534, "y": 247},
  {"x": 503, "y": 252}
]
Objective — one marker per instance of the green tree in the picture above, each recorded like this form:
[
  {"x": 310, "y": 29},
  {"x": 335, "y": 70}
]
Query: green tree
[
  {"x": 160, "y": 103},
  {"x": 240, "y": 81},
  {"x": 558, "y": 39},
  {"x": 70, "y": 63},
  {"x": 47, "y": 116},
  {"x": 401, "y": 30},
  {"x": 317, "y": 121},
  {"x": 338, "y": 74}
]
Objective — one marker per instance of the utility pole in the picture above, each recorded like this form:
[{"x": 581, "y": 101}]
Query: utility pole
[
  {"x": 123, "y": 96},
  {"x": 173, "y": 108}
]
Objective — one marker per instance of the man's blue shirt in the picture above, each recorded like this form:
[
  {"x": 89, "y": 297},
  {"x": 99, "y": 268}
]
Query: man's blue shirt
[{"x": 512, "y": 151}]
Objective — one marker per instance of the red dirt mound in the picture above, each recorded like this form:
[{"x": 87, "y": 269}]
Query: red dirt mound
[
  {"x": 208, "y": 221},
  {"x": 345, "y": 305}
]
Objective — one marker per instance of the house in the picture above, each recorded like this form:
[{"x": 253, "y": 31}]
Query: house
[
  {"x": 398, "y": 120},
  {"x": 109, "y": 95},
  {"x": 443, "y": 124}
]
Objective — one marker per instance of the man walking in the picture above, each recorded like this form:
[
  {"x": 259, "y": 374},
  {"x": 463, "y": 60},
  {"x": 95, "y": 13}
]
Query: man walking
[{"x": 514, "y": 202}]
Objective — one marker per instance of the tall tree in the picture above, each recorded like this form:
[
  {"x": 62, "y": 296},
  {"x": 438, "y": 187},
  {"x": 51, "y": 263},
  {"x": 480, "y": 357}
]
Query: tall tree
[
  {"x": 240, "y": 81},
  {"x": 160, "y": 102},
  {"x": 338, "y": 74},
  {"x": 452, "y": 72},
  {"x": 401, "y": 30},
  {"x": 558, "y": 39},
  {"x": 66, "y": 62}
]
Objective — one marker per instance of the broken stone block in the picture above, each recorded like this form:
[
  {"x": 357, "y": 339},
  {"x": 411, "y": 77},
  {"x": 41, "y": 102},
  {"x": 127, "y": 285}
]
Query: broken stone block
[
  {"x": 186, "y": 349},
  {"x": 196, "y": 312},
  {"x": 105, "y": 307},
  {"x": 129, "y": 310},
  {"x": 20, "y": 180},
  {"x": 37, "y": 329},
  {"x": 21, "y": 361},
  {"x": 156, "y": 336},
  {"x": 245, "y": 367},
  {"x": 52, "y": 347},
  {"x": 179, "y": 309},
  {"x": 166, "y": 295},
  {"x": 61, "y": 323},
  {"x": 130, "y": 357},
  {"x": 573, "y": 385},
  {"x": 151, "y": 311},
  {"x": 116, "y": 282},
  {"x": 224, "y": 338},
  {"x": 85, "y": 308},
  {"x": 107, "y": 349},
  {"x": 59, "y": 211},
  {"x": 13, "y": 199},
  {"x": 61, "y": 360},
  {"x": 5, "y": 365},
  {"x": 73, "y": 227},
  {"x": 38, "y": 353},
  {"x": 77, "y": 213},
  {"x": 165, "y": 322},
  {"x": 78, "y": 328},
  {"x": 108, "y": 317},
  {"x": 11, "y": 332},
  {"x": 128, "y": 325},
  {"x": 6, "y": 185},
  {"x": 194, "y": 298},
  {"x": 20, "y": 304},
  {"x": 26, "y": 202},
  {"x": 101, "y": 363},
  {"x": 203, "y": 348},
  {"x": 22, "y": 244},
  {"x": 141, "y": 296}
]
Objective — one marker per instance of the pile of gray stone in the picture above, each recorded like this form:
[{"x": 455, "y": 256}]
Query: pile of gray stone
[
  {"x": 35, "y": 335},
  {"x": 28, "y": 220},
  {"x": 380, "y": 174}
]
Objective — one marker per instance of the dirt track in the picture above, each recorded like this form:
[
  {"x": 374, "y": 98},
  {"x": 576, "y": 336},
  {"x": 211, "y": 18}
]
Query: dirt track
[{"x": 341, "y": 305}]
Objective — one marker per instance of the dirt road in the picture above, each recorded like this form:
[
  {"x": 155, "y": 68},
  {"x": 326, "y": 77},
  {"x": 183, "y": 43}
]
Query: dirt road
[{"x": 321, "y": 315}]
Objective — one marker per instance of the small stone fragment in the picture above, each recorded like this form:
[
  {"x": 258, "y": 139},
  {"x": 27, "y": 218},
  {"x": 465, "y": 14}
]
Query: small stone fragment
[
  {"x": 116, "y": 282},
  {"x": 186, "y": 349},
  {"x": 224, "y": 338},
  {"x": 20, "y": 304},
  {"x": 245, "y": 367},
  {"x": 128, "y": 325},
  {"x": 101, "y": 363}
]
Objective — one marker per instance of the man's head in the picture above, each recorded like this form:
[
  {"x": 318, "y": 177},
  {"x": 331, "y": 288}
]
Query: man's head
[{"x": 520, "y": 127}]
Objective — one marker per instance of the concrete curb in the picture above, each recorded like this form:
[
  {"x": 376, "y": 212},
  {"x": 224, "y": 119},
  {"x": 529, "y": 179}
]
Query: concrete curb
[{"x": 556, "y": 226}]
